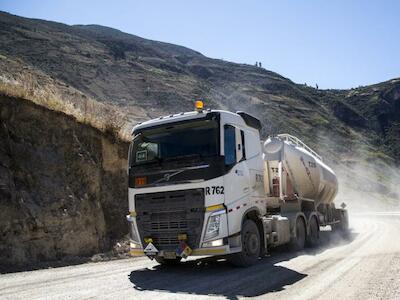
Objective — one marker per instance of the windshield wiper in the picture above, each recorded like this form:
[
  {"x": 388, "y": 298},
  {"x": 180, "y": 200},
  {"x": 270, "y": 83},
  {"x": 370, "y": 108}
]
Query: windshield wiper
[
  {"x": 136, "y": 136},
  {"x": 156, "y": 159},
  {"x": 195, "y": 155}
]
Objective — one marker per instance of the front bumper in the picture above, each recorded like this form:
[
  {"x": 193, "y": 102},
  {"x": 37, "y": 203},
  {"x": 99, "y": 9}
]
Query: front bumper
[
  {"x": 138, "y": 248},
  {"x": 223, "y": 250}
]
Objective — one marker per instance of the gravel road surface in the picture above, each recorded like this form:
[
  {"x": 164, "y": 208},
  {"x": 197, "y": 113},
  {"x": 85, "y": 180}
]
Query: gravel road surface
[{"x": 366, "y": 265}]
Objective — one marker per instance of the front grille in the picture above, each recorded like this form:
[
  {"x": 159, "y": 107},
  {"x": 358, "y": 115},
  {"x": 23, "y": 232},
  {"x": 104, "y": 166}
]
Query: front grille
[
  {"x": 166, "y": 241},
  {"x": 163, "y": 216},
  {"x": 165, "y": 225}
]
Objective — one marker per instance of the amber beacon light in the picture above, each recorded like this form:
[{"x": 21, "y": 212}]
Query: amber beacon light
[{"x": 199, "y": 105}]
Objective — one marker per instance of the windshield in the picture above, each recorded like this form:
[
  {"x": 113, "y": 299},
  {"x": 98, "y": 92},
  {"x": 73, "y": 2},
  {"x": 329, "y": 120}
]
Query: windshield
[{"x": 175, "y": 141}]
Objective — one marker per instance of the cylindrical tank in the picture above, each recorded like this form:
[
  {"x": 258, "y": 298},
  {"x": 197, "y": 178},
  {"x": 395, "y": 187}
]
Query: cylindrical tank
[{"x": 309, "y": 176}]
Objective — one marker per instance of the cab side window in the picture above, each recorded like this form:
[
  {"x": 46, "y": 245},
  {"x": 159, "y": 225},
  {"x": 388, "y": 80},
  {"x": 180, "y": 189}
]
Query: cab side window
[{"x": 229, "y": 144}]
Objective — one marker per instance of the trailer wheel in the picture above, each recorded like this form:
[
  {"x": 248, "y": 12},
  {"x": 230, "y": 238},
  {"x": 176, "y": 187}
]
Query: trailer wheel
[
  {"x": 297, "y": 243},
  {"x": 168, "y": 262},
  {"x": 250, "y": 237},
  {"x": 313, "y": 237},
  {"x": 343, "y": 226}
]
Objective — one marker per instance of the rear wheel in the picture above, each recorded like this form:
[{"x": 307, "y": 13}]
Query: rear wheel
[
  {"x": 297, "y": 243},
  {"x": 250, "y": 237},
  {"x": 168, "y": 262},
  {"x": 313, "y": 236},
  {"x": 343, "y": 226}
]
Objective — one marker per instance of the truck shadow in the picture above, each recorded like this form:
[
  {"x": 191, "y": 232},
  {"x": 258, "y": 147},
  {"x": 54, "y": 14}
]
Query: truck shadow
[{"x": 216, "y": 276}]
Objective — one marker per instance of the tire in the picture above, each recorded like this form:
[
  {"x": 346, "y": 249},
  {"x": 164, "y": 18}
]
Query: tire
[
  {"x": 168, "y": 262},
  {"x": 343, "y": 226},
  {"x": 297, "y": 243},
  {"x": 251, "y": 245},
  {"x": 313, "y": 236}
]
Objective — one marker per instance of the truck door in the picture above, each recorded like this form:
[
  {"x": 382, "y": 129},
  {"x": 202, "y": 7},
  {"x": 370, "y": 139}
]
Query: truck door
[{"x": 236, "y": 181}]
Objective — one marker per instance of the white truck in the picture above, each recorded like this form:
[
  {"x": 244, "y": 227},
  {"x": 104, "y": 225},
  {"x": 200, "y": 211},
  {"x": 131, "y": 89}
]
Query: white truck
[{"x": 203, "y": 183}]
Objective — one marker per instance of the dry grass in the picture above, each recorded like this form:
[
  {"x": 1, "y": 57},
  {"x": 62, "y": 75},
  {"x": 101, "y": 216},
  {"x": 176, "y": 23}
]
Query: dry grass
[{"x": 24, "y": 82}]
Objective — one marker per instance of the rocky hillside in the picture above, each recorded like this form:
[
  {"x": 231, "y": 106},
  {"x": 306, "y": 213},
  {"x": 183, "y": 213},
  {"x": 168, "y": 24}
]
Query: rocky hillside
[
  {"x": 71, "y": 94},
  {"x": 62, "y": 185},
  {"x": 145, "y": 79}
]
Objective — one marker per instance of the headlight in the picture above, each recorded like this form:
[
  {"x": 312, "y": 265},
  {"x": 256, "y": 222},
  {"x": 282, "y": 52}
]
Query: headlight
[
  {"x": 213, "y": 225},
  {"x": 215, "y": 243}
]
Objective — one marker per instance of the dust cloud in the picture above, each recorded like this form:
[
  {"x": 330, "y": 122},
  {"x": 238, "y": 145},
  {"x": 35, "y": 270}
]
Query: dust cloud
[
  {"x": 368, "y": 186},
  {"x": 368, "y": 180}
]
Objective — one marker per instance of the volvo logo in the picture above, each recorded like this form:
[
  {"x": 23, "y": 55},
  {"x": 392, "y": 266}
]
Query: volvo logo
[{"x": 168, "y": 176}]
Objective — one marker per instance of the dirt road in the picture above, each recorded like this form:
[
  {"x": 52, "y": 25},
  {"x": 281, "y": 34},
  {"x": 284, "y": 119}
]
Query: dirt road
[{"x": 365, "y": 266}]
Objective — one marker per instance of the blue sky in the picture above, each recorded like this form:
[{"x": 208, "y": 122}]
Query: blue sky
[{"x": 337, "y": 44}]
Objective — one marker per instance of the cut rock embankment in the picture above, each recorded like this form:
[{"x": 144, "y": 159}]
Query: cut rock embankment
[{"x": 63, "y": 190}]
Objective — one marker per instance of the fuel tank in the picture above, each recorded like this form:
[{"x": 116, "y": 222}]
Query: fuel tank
[{"x": 298, "y": 169}]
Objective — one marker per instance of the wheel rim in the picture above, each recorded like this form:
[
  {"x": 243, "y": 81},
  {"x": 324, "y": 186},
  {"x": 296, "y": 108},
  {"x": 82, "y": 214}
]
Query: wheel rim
[{"x": 251, "y": 243}]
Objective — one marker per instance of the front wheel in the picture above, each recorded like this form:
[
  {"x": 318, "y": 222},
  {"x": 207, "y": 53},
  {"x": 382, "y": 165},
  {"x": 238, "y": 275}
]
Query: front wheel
[{"x": 251, "y": 242}]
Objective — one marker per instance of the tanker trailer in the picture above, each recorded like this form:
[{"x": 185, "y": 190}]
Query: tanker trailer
[{"x": 296, "y": 180}]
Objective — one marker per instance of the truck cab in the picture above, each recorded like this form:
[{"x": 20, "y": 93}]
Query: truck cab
[{"x": 192, "y": 178}]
